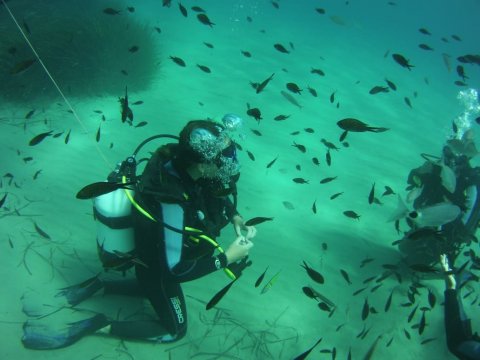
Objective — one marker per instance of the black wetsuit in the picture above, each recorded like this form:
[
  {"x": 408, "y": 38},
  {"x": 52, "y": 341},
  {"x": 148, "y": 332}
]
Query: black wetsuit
[
  {"x": 460, "y": 340},
  {"x": 170, "y": 257}
]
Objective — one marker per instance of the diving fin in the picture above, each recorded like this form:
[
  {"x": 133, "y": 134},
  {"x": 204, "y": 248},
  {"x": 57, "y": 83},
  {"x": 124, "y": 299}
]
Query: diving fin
[{"x": 39, "y": 335}]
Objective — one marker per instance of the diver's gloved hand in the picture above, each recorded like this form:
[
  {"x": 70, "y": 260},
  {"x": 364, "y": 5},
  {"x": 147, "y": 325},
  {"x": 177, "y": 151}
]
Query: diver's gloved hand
[{"x": 237, "y": 267}]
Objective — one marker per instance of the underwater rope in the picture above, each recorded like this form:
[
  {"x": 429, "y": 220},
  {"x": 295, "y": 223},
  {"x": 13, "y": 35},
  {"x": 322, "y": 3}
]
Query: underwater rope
[{"x": 82, "y": 124}]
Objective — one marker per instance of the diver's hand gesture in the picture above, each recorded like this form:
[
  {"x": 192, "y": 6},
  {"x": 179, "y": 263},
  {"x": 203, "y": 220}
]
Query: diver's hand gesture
[
  {"x": 449, "y": 278},
  {"x": 239, "y": 225},
  {"x": 238, "y": 249}
]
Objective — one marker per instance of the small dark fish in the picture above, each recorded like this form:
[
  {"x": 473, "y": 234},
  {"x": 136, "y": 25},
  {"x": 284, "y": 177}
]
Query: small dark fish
[
  {"x": 178, "y": 61},
  {"x": 269, "y": 165},
  {"x": 37, "y": 173},
  {"x": 204, "y": 68},
  {"x": 365, "y": 309},
  {"x": 351, "y": 214},
  {"x": 388, "y": 191},
  {"x": 327, "y": 179},
  {"x": 329, "y": 144},
  {"x": 141, "y": 123},
  {"x": 39, "y": 138},
  {"x": 389, "y": 301},
  {"x": 111, "y": 11},
  {"x": 183, "y": 9},
  {"x": 328, "y": 158},
  {"x": 317, "y": 71},
  {"x": 421, "y": 324},
  {"x": 281, "y": 48},
  {"x": 257, "y": 220},
  {"x": 125, "y": 111},
  {"x": 431, "y": 299},
  {"x": 314, "y": 207},
  {"x": 124, "y": 72},
  {"x": 288, "y": 205},
  {"x": 412, "y": 313},
  {"x": 300, "y": 180},
  {"x": 378, "y": 89},
  {"x": 293, "y": 88},
  {"x": 304, "y": 355},
  {"x": 260, "y": 278},
  {"x": 461, "y": 72},
  {"x": 218, "y": 296},
  {"x": 354, "y": 125},
  {"x": 332, "y": 97},
  {"x": 456, "y": 37},
  {"x": 208, "y": 45},
  {"x": 309, "y": 130},
  {"x": 314, "y": 275},
  {"x": 27, "y": 159},
  {"x": 408, "y": 102},
  {"x": 133, "y": 49},
  {"x": 100, "y": 188},
  {"x": 97, "y": 136},
  {"x": 371, "y": 195},
  {"x": 41, "y": 232},
  {"x": 334, "y": 196},
  {"x": 197, "y": 9},
  {"x": 320, "y": 10},
  {"x": 424, "y": 31},
  {"x": 402, "y": 61},
  {"x": 246, "y": 53},
  {"x": 460, "y": 83},
  {"x": 425, "y": 47},
  {"x": 21, "y": 66},
  {"x": 315, "y": 161},
  {"x": 343, "y": 136},
  {"x": 263, "y": 84},
  {"x": 157, "y": 29},
  {"x": 391, "y": 85},
  {"x": 256, "y": 132},
  {"x": 203, "y": 18},
  {"x": 3, "y": 200},
  {"x": 131, "y": 9},
  {"x": 345, "y": 276},
  {"x": 275, "y": 4},
  {"x": 369, "y": 354},
  {"x": 281, "y": 117},
  {"x": 359, "y": 291},
  {"x": 300, "y": 147},
  {"x": 312, "y": 91},
  {"x": 255, "y": 113},
  {"x": 166, "y": 3},
  {"x": 67, "y": 138},
  {"x": 139, "y": 102},
  {"x": 324, "y": 306},
  {"x": 290, "y": 99},
  {"x": 250, "y": 155}
]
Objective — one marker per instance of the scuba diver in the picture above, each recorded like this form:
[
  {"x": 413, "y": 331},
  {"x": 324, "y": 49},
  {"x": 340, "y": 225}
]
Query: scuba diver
[
  {"x": 164, "y": 223},
  {"x": 445, "y": 197},
  {"x": 460, "y": 340}
]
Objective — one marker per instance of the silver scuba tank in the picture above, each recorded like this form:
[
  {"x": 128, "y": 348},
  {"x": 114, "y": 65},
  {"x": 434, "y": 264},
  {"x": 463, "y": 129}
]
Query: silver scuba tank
[{"x": 112, "y": 212}]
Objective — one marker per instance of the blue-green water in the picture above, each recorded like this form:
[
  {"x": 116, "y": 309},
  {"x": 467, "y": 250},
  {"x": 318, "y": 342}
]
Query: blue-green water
[{"x": 352, "y": 44}]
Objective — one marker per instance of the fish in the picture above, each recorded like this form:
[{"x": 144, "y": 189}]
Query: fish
[
  {"x": 327, "y": 179},
  {"x": 421, "y": 324},
  {"x": 97, "y": 137},
  {"x": 309, "y": 130},
  {"x": 371, "y": 195},
  {"x": 250, "y": 155},
  {"x": 281, "y": 48},
  {"x": 101, "y": 188},
  {"x": 312, "y": 91},
  {"x": 166, "y": 3},
  {"x": 300, "y": 147},
  {"x": 30, "y": 114},
  {"x": 315, "y": 161},
  {"x": 125, "y": 111},
  {"x": 314, "y": 275},
  {"x": 345, "y": 276},
  {"x": 218, "y": 296},
  {"x": 260, "y": 278},
  {"x": 332, "y": 97},
  {"x": 334, "y": 196},
  {"x": 41, "y": 232},
  {"x": 39, "y": 138},
  {"x": 131, "y": 9},
  {"x": 328, "y": 158},
  {"x": 388, "y": 191},
  {"x": 4, "y": 198},
  {"x": 183, "y": 10},
  {"x": 365, "y": 309},
  {"x": 263, "y": 84},
  {"x": 288, "y": 205},
  {"x": 389, "y": 301},
  {"x": 269, "y": 165},
  {"x": 255, "y": 113},
  {"x": 290, "y": 99},
  {"x": 320, "y": 10},
  {"x": 281, "y": 117},
  {"x": 402, "y": 61},
  {"x": 425, "y": 47},
  {"x": 354, "y": 125},
  {"x": 299, "y": 180},
  {"x": 408, "y": 102},
  {"x": 378, "y": 89},
  {"x": 412, "y": 313},
  {"x": 21, "y": 66},
  {"x": 304, "y": 355},
  {"x": 178, "y": 61},
  {"x": 456, "y": 37},
  {"x": 391, "y": 85},
  {"x": 370, "y": 351},
  {"x": 256, "y": 132},
  {"x": 204, "y": 68},
  {"x": 246, "y": 53},
  {"x": 461, "y": 72},
  {"x": 197, "y": 9},
  {"x": 157, "y": 29},
  {"x": 324, "y": 306},
  {"x": 111, "y": 11},
  {"x": 270, "y": 283},
  {"x": 424, "y": 31},
  {"x": 37, "y": 173},
  {"x": 257, "y": 220},
  {"x": 351, "y": 214},
  {"x": 204, "y": 19},
  {"x": 293, "y": 88},
  {"x": 67, "y": 138},
  {"x": 314, "y": 207},
  {"x": 133, "y": 49}
]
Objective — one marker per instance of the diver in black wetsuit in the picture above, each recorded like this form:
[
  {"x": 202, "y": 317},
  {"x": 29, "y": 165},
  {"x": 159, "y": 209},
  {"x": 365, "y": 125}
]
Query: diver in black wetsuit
[
  {"x": 182, "y": 188},
  {"x": 460, "y": 340}
]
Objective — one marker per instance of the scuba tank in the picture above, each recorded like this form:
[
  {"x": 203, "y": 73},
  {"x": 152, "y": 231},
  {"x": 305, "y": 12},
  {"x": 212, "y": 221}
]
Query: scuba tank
[{"x": 115, "y": 237}]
